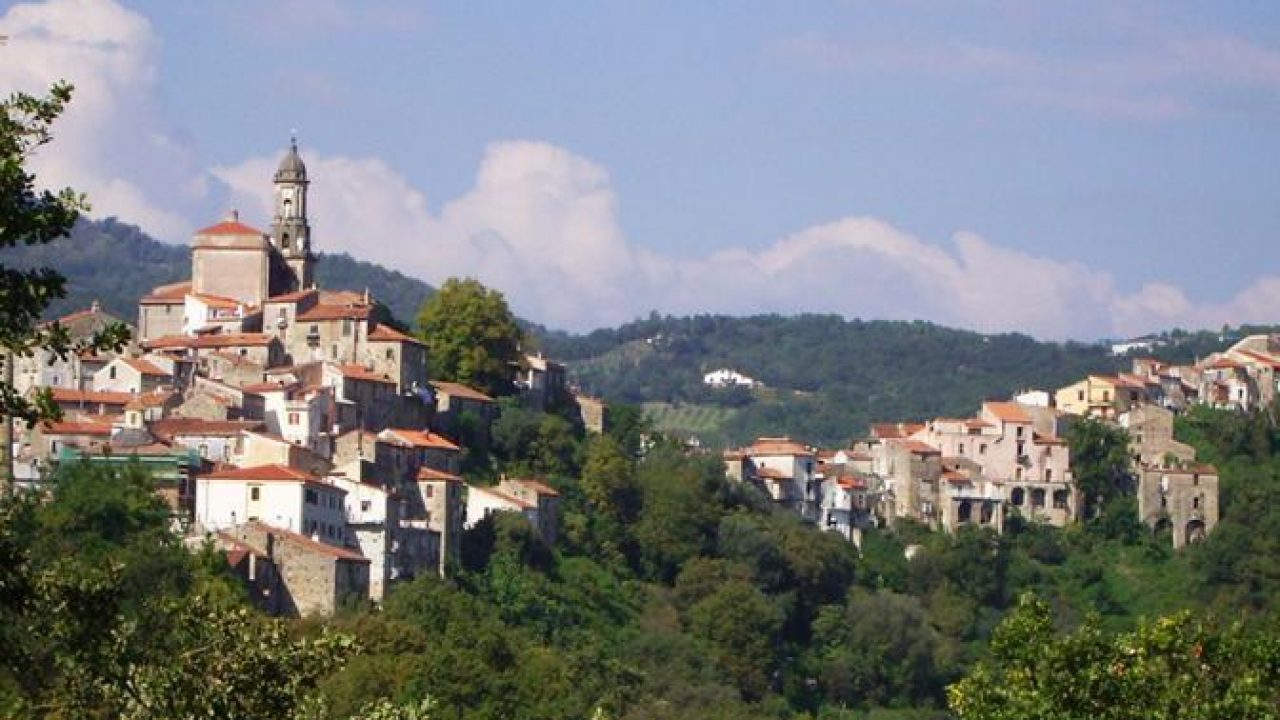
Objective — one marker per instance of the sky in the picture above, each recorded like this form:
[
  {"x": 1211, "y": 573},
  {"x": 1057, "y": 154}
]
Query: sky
[{"x": 1083, "y": 170}]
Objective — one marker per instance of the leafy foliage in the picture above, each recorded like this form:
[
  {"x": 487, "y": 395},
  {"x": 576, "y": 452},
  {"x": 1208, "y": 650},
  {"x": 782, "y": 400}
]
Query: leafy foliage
[{"x": 471, "y": 336}]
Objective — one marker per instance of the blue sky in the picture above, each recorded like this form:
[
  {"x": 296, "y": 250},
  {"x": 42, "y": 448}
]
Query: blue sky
[{"x": 1081, "y": 170}]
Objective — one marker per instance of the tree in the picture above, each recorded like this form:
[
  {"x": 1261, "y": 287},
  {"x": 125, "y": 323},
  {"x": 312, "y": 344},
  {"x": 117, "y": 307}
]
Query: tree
[
  {"x": 1178, "y": 666},
  {"x": 1100, "y": 463},
  {"x": 33, "y": 217},
  {"x": 471, "y": 336}
]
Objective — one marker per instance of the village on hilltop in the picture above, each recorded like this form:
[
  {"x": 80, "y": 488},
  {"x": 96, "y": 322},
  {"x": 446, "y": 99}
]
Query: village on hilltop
[{"x": 297, "y": 429}]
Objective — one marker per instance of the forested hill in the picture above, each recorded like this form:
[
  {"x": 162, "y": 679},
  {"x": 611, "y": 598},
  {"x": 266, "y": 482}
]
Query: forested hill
[
  {"x": 825, "y": 377},
  {"x": 116, "y": 264}
]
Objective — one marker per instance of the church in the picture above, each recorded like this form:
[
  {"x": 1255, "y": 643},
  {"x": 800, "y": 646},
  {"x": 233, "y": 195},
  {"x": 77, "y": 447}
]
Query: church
[{"x": 252, "y": 308}]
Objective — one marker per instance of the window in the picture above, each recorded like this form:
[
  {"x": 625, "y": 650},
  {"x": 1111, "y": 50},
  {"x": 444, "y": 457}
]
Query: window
[
  {"x": 111, "y": 372},
  {"x": 391, "y": 355},
  {"x": 346, "y": 327},
  {"x": 312, "y": 498},
  {"x": 1060, "y": 499},
  {"x": 961, "y": 448},
  {"x": 982, "y": 449},
  {"x": 1195, "y": 503},
  {"x": 431, "y": 491},
  {"x": 1080, "y": 396},
  {"x": 1106, "y": 396},
  {"x": 204, "y": 452},
  {"x": 333, "y": 352},
  {"x": 1195, "y": 480},
  {"x": 1037, "y": 498},
  {"x": 255, "y": 493},
  {"x": 1048, "y": 475},
  {"x": 365, "y": 505},
  {"x": 1018, "y": 497},
  {"x": 293, "y": 418}
]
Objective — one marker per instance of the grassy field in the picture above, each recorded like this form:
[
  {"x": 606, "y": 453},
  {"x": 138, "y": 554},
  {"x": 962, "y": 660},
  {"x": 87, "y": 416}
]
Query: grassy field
[{"x": 705, "y": 421}]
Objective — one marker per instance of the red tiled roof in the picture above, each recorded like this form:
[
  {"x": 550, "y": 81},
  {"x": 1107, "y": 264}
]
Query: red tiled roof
[
  {"x": 266, "y": 387},
  {"x": 326, "y": 311},
  {"x": 218, "y": 301},
  {"x": 75, "y": 427},
  {"x": 888, "y": 431},
  {"x": 167, "y": 294},
  {"x": 852, "y": 482},
  {"x": 777, "y": 446},
  {"x": 386, "y": 333},
  {"x": 459, "y": 390},
  {"x": 954, "y": 477},
  {"x": 71, "y": 395},
  {"x": 144, "y": 366},
  {"x": 230, "y": 227},
  {"x": 205, "y": 342},
  {"x": 857, "y": 455},
  {"x": 418, "y": 438},
  {"x": 538, "y": 487},
  {"x": 1039, "y": 439},
  {"x": 918, "y": 447},
  {"x": 268, "y": 473},
  {"x": 314, "y": 545},
  {"x": 170, "y": 427},
  {"x": 1224, "y": 363},
  {"x": 1270, "y": 361},
  {"x": 292, "y": 297},
  {"x": 1009, "y": 412},
  {"x": 769, "y": 473},
  {"x": 360, "y": 372},
  {"x": 427, "y": 474}
]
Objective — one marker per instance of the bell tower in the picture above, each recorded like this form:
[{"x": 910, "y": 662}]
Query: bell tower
[{"x": 290, "y": 231}]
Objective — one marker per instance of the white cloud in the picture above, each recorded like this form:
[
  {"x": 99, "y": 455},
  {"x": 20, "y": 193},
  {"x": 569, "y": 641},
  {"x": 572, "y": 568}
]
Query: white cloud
[
  {"x": 112, "y": 143},
  {"x": 541, "y": 223}
]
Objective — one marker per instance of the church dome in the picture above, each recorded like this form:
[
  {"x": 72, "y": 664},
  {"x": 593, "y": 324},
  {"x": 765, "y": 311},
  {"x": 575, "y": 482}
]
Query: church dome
[{"x": 291, "y": 167}]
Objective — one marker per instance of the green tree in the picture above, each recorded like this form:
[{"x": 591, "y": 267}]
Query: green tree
[
  {"x": 471, "y": 336},
  {"x": 609, "y": 480},
  {"x": 1175, "y": 667},
  {"x": 29, "y": 216},
  {"x": 743, "y": 626},
  {"x": 1100, "y": 463}
]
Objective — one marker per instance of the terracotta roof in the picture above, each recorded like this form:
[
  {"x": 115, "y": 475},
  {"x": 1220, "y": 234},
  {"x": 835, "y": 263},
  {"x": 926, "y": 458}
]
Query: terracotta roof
[
  {"x": 167, "y": 294},
  {"x": 976, "y": 423},
  {"x": 418, "y": 438},
  {"x": 216, "y": 340},
  {"x": 1269, "y": 360},
  {"x": 852, "y": 482},
  {"x": 218, "y": 301},
  {"x": 1223, "y": 363},
  {"x": 90, "y": 396},
  {"x": 427, "y": 474},
  {"x": 954, "y": 477},
  {"x": 857, "y": 455},
  {"x": 144, "y": 366},
  {"x": 1039, "y": 439},
  {"x": 888, "y": 431},
  {"x": 266, "y": 387},
  {"x": 75, "y": 427},
  {"x": 918, "y": 447},
  {"x": 1009, "y": 412},
  {"x": 523, "y": 504},
  {"x": 325, "y": 311},
  {"x": 230, "y": 227},
  {"x": 538, "y": 487},
  {"x": 170, "y": 427},
  {"x": 777, "y": 446},
  {"x": 386, "y": 333},
  {"x": 292, "y": 297},
  {"x": 459, "y": 390},
  {"x": 265, "y": 473},
  {"x": 314, "y": 545},
  {"x": 155, "y": 399},
  {"x": 769, "y": 473},
  {"x": 360, "y": 372}
]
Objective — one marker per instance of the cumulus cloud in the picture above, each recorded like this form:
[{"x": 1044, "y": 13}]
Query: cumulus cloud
[
  {"x": 541, "y": 222},
  {"x": 113, "y": 142}
]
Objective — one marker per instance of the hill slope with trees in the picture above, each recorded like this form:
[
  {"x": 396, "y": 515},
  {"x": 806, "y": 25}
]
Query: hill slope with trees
[{"x": 116, "y": 264}]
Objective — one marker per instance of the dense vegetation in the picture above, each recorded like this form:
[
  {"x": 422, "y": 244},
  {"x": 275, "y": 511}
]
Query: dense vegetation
[
  {"x": 826, "y": 377},
  {"x": 671, "y": 594}
]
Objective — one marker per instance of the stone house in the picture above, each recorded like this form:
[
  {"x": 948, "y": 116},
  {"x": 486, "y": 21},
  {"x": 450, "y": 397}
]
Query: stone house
[
  {"x": 305, "y": 577},
  {"x": 1182, "y": 499},
  {"x": 457, "y": 405},
  {"x": 784, "y": 469},
  {"x": 131, "y": 375}
]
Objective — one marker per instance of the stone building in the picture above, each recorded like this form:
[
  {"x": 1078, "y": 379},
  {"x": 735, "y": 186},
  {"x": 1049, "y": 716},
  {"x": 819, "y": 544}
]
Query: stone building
[
  {"x": 1182, "y": 499},
  {"x": 303, "y": 577}
]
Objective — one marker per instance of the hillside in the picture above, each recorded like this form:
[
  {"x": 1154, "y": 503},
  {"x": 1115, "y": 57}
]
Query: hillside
[
  {"x": 825, "y": 377},
  {"x": 116, "y": 264}
]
